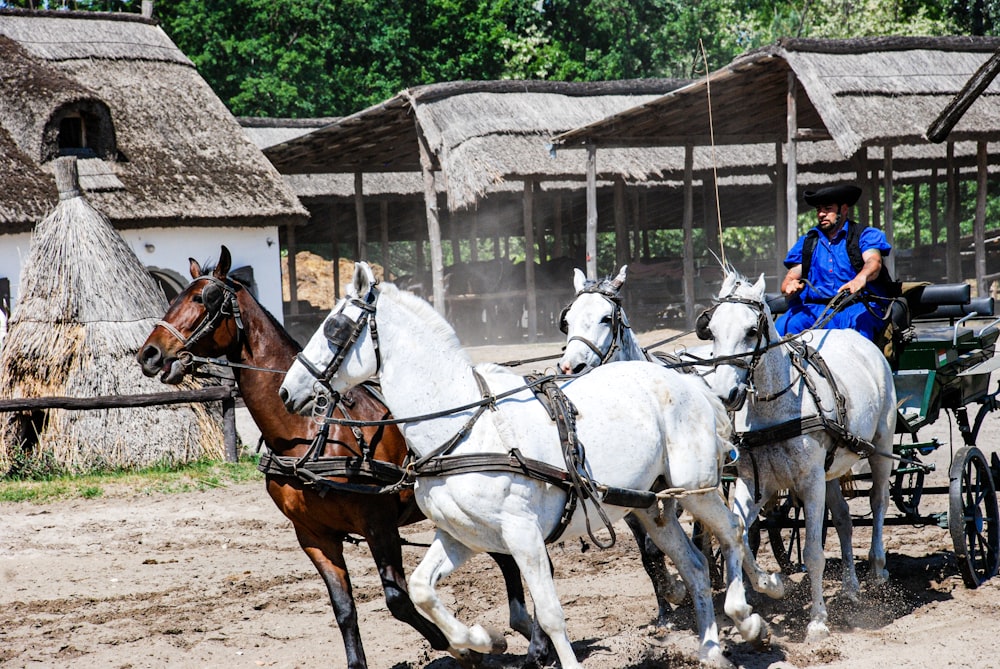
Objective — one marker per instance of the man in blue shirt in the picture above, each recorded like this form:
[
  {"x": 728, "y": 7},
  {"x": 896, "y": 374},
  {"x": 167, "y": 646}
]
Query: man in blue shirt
[{"x": 834, "y": 267}]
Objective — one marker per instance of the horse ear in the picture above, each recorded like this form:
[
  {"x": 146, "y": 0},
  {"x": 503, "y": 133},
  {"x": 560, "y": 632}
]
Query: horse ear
[
  {"x": 760, "y": 285},
  {"x": 579, "y": 280},
  {"x": 728, "y": 283},
  {"x": 224, "y": 264},
  {"x": 619, "y": 280},
  {"x": 194, "y": 267},
  {"x": 363, "y": 280}
]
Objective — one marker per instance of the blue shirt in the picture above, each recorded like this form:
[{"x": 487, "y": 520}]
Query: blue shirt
[{"x": 831, "y": 265}]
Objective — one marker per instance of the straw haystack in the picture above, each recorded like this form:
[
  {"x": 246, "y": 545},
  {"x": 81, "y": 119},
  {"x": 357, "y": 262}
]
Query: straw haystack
[{"x": 86, "y": 305}]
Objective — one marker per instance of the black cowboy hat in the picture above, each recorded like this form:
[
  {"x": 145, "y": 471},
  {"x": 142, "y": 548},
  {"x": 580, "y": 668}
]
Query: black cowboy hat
[{"x": 840, "y": 194}]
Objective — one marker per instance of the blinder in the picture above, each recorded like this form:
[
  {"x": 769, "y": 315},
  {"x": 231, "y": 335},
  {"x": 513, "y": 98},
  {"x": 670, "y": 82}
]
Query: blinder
[
  {"x": 339, "y": 329},
  {"x": 701, "y": 326},
  {"x": 212, "y": 297},
  {"x": 563, "y": 325}
]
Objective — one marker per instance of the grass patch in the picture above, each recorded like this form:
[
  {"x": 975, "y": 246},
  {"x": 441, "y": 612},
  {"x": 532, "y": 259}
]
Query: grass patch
[{"x": 192, "y": 477}]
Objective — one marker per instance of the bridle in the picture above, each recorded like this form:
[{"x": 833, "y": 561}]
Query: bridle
[
  {"x": 219, "y": 300},
  {"x": 619, "y": 322},
  {"x": 341, "y": 332},
  {"x": 761, "y": 346}
]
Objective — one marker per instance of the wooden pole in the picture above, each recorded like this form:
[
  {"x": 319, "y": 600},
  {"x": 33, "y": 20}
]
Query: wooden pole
[
  {"x": 917, "y": 242},
  {"x": 952, "y": 232},
  {"x": 792, "y": 157},
  {"x": 621, "y": 227},
  {"x": 335, "y": 244},
  {"x": 359, "y": 213},
  {"x": 557, "y": 228},
  {"x": 383, "y": 214},
  {"x": 890, "y": 231},
  {"x": 293, "y": 276},
  {"x": 873, "y": 186},
  {"x": 592, "y": 212},
  {"x": 688, "y": 224},
  {"x": 861, "y": 209},
  {"x": 979, "y": 227},
  {"x": 528, "y": 202},
  {"x": 932, "y": 206},
  {"x": 780, "y": 213},
  {"x": 232, "y": 453},
  {"x": 433, "y": 224}
]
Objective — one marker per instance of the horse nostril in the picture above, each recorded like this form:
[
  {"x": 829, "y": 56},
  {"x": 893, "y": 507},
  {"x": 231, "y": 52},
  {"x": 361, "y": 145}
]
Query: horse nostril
[
  {"x": 283, "y": 394},
  {"x": 148, "y": 355}
]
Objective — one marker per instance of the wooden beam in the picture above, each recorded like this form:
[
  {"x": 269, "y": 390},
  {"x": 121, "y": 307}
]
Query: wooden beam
[
  {"x": 433, "y": 224},
  {"x": 932, "y": 206},
  {"x": 592, "y": 212},
  {"x": 293, "y": 276},
  {"x": 383, "y": 215},
  {"x": 781, "y": 213},
  {"x": 917, "y": 231},
  {"x": 952, "y": 232},
  {"x": 979, "y": 227},
  {"x": 688, "y": 224},
  {"x": 528, "y": 202},
  {"x": 791, "y": 160},
  {"x": 890, "y": 232},
  {"x": 621, "y": 228},
  {"x": 359, "y": 213},
  {"x": 938, "y": 130}
]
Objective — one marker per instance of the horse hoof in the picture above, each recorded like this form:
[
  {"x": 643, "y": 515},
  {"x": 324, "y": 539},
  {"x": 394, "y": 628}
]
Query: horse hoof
[
  {"x": 676, "y": 593},
  {"x": 817, "y": 631},
  {"x": 467, "y": 659},
  {"x": 486, "y": 641},
  {"x": 773, "y": 586},
  {"x": 755, "y": 632},
  {"x": 763, "y": 641}
]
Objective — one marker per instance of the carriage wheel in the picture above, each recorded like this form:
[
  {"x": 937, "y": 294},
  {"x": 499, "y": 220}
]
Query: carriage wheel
[
  {"x": 973, "y": 516},
  {"x": 907, "y": 487}
]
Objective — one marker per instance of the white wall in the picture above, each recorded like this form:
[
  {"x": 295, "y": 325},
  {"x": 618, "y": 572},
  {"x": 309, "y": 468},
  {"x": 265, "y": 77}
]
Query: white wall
[{"x": 170, "y": 248}]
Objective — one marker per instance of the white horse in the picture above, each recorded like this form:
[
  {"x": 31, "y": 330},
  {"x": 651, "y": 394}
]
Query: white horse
[
  {"x": 598, "y": 332},
  {"x": 643, "y": 428},
  {"x": 856, "y": 377}
]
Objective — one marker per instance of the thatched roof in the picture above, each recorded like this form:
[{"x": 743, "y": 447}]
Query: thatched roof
[
  {"x": 480, "y": 134},
  {"x": 857, "y": 92},
  {"x": 162, "y": 148},
  {"x": 86, "y": 305}
]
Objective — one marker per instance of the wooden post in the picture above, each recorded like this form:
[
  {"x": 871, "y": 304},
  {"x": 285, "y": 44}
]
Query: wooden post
[
  {"x": 229, "y": 424},
  {"x": 383, "y": 214},
  {"x": 335, "y": 243},
  {"x": 953, "y": 259},
  {"x": 359, "y": 212},
  {"x": 433, "y": 223},
  {"x": 979, "y": 227},
  {"x": 791, "y": 160},
  {"x": 781, "y": 222},
  {"x": 592, "y": 212},
  {"x": 917, "y": 242},
  {"x": 528, "y": 202},
  {"x": 293, "y": 275},
  {"x": 861, "y": 209},
  {"x": 621, "y": 229},
  {"x": 636, "y": 224},
  {"x": 688, "y": 224},
  {"x": 557, "y": 228},
  {"x": 474, "y": 236},
  {"x": 890, "y": 232},
  {"x": 932, "y": 206},
  {"x": 876, "y": 200}
]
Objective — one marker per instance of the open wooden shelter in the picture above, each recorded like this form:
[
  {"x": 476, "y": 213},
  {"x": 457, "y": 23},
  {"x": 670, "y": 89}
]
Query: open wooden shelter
[{"x": 862, "y": 105}]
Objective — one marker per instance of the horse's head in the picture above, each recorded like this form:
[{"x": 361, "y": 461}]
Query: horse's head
[
  {"x": 738, "y": 323},
  {"x": 342, "y": 352},
  {"x": 204, "y": 320},
  {"x": 594, "y": 323}
]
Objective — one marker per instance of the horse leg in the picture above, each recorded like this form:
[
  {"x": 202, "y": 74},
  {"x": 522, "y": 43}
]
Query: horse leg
[
  {"x": 385, "y": 547},
  {"x": 540, "y": 649},
  {"x": 744, "y": 506},
  {"x": 881, "y": 467},
  {"x": 813, "y": 496},
  {"x": 445, "y": 555},
  {"x": 711, "y": 511},
  {"x": 327, "y": 556},
  {"x": 526, "y": 544},
  {"x": 841, "y": 514},
  {"x": 666, "y": 531},
  {"x": 668, "y": 589}
]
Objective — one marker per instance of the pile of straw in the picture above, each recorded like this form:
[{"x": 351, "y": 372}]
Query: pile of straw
[{"x": 86, "y": 304}]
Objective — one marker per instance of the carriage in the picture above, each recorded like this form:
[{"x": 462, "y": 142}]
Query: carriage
[{"x": 943, "y": 362}]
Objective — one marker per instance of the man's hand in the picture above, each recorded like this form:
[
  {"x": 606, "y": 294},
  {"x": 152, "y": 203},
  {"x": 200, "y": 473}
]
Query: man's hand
[
  {"x": 854, "y": 285},
  {"x": 793, "y": 284}
]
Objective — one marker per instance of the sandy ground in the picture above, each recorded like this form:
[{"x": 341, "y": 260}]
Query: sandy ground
[{"x": 216, "y": 579}]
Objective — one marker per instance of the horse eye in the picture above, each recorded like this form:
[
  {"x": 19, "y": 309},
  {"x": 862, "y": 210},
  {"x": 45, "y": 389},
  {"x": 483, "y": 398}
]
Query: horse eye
[
  {"x": 752, "y": 332},
  {"x": 606, "y": 320}
]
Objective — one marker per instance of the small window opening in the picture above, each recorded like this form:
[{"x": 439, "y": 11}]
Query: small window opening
[{"x": 72, "y": 133}]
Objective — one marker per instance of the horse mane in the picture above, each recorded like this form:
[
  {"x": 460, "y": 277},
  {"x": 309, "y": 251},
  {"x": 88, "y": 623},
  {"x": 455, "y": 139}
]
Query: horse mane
[{"x": 423, "y": 309}]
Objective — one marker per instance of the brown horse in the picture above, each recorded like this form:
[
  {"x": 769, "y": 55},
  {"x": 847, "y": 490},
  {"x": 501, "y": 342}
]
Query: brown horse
[{"x": 216, "y": 317}]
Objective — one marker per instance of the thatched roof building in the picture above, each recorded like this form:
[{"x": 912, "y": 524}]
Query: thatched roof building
[
  {"x": 866, "y": 102},
  {"x": 158, "y": 150},
  {"x": 86, "y": 305}
]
